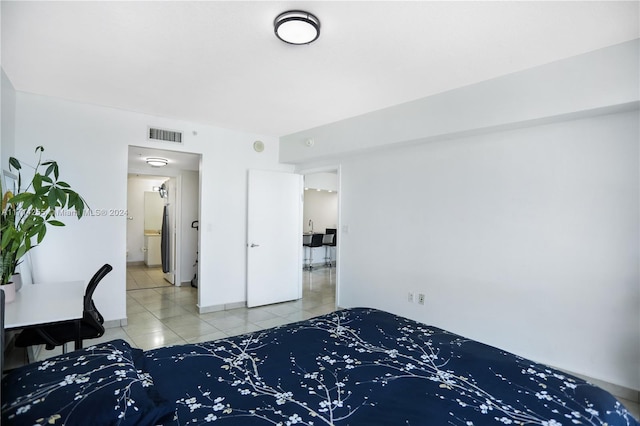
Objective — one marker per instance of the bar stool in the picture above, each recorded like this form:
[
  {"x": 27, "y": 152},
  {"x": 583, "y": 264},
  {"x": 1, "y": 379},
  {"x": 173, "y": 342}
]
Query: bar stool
[
  {"x": 306, "y": 243},
  {"x": 327, "y": 242},
  {"x": 316, "y": 241},
  {"x": 333, "y": 231}
]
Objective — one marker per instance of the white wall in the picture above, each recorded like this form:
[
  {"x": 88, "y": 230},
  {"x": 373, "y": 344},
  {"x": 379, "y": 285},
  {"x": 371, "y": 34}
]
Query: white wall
[
  {"x": 603, "y": 79},
  {"x": 91, "y": 146},
  {"x": 525, "y": 239},
  {"x": 154, "y": 206},
  {"x": 321, "y": 180},
  {"x": 136, "y": 187},
  {"x": 512, "y": 204},
  {"x": 322, "y": 208},
  {"x": 7, "y": 113}
]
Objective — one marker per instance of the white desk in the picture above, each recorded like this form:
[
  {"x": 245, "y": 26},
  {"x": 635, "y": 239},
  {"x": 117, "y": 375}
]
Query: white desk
[{"x": 40, "y": 304}]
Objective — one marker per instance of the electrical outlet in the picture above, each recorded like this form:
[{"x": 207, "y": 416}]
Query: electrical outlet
[
  {"x": 410, "y": 298},
  {"x": 421, "y": 299}
]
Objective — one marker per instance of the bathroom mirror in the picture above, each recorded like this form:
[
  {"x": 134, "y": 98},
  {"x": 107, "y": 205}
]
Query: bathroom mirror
[{"x": 153, "y": 207}]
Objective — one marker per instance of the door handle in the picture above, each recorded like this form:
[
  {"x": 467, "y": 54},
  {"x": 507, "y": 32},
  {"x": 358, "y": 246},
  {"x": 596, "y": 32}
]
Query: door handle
[{"x": 254, "y": 245}]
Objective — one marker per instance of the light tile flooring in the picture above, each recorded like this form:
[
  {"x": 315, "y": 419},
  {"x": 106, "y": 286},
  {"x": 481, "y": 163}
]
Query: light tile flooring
[
  {"x": 142, "y": 276},
  {"x": 159, "y": 314},
  {"x": 633, "y": 407}
]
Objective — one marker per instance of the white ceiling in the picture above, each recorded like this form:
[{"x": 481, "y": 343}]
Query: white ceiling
[
  {"x": 219, "y": 63},
  {"x": 177, "y": 161}
]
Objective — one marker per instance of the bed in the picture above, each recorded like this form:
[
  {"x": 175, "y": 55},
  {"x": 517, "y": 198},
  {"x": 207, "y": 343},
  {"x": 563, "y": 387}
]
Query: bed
[{"x": 352, "y": 367}]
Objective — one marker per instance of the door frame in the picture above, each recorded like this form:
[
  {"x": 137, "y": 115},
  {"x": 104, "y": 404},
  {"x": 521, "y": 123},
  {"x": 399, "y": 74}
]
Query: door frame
[{"x": 325, "y": 169}]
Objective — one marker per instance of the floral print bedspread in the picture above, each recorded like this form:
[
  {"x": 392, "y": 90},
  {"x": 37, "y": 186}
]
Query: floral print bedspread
[{"x": 367, "y": 367}]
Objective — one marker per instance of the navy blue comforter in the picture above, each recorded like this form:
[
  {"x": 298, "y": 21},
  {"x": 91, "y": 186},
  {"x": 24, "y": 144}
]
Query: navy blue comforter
[{"x": 351, "y": 367}]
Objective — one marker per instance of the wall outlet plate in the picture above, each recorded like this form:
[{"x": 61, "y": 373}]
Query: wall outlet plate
[{"x": 421, "y": 299}]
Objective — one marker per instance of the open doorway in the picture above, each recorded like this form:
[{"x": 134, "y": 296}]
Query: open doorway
[
  {"x": 320, "y": 231},
  {"x": 145, "y": 212},
  {"x": 163, "y": 204}
]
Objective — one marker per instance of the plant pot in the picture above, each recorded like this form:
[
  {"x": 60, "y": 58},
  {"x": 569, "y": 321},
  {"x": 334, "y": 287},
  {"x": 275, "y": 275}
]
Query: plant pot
[
  {"x": 9, "y": 292},
  {"x": 17, "y": 280}
]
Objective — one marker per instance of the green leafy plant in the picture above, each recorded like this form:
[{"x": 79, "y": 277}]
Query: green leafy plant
[{"x": 26, "y": 214}]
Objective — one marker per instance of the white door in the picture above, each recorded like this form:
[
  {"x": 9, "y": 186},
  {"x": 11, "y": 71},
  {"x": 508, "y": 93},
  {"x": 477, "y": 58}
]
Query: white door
[{"x": 274, "y": 237}]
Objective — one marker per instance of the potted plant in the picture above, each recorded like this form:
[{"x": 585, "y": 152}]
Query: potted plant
[{"x": 27, "y": 213}]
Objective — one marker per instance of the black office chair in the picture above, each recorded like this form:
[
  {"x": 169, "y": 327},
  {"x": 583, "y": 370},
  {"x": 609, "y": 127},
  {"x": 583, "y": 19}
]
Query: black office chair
[{"x": 91, "y": 325}]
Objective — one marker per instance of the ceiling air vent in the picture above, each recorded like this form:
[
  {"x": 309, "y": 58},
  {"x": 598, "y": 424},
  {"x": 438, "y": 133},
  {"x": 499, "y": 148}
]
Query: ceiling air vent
[{"x": 164, "y": 135}]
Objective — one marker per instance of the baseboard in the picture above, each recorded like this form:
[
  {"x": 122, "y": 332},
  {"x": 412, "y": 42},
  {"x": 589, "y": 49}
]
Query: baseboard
[
  {"x": 136, "y": 263},
  {"x": 222, "y": 307},
  {"x": 615, "y": 390},
  {"x": 115, "y": 323},
  {"x": 236, "y": 305}
]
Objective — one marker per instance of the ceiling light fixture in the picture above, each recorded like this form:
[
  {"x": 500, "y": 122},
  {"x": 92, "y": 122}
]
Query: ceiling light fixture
[
  {"x": 157, "y": 162},
  {"x": 297, "y": 27}
]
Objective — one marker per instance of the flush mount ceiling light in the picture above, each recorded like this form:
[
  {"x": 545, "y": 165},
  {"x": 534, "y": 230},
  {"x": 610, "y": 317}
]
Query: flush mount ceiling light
[
  {"x": 297, "y": 27},
  {"x": 157, "y": 162}
]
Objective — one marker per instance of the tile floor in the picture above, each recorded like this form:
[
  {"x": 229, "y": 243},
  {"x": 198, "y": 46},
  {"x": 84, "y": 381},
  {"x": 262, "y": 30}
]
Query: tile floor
[
  {"x": 160, "y": 314},
  {"x": 633, "y": 407},
  {"x": 142, "y": 276}
]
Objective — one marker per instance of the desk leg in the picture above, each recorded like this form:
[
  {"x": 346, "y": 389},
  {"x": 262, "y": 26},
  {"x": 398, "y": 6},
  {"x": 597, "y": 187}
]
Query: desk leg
[{"x": 78, "y": 342}]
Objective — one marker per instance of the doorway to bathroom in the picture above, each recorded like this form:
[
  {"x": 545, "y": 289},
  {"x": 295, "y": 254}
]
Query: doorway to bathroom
[
  {"x": 146, "y": 211},
  {"x": 163, "y": 200}
]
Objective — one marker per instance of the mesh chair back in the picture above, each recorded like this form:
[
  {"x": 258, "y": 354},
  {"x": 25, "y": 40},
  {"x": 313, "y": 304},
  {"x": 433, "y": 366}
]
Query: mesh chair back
[
  {"x": 90, "y": 327},
  {"x": 89, "y": 306}
]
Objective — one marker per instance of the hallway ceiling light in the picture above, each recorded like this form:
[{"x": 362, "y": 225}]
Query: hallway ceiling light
[
  {"x": 297, "y": 27},
  {"x": 157, "y": 162}
]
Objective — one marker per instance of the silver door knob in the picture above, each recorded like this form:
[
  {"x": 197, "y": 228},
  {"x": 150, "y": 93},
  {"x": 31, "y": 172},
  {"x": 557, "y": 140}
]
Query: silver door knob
[{"x": 255, "y": 245}]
